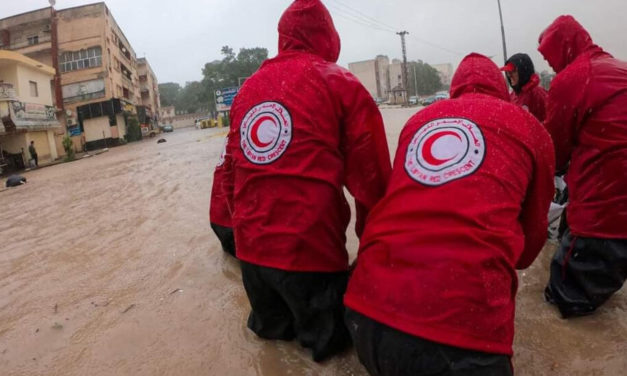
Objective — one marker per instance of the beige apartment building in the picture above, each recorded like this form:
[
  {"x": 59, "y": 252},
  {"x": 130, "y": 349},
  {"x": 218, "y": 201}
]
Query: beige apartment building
[
  {"x": 26, "y": 111},
  {"x": 150, "y": 107},
  {"x": 97, "y": 85},
  {"x": 384, "y": 79}
]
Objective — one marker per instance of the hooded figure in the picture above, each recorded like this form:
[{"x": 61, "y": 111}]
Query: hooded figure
[
  {"x": 527, "y": 92},
  {"x": 465, "y": 207},
  {"x": 587, "y": 118},
  {"x": 302, "y": 129}
]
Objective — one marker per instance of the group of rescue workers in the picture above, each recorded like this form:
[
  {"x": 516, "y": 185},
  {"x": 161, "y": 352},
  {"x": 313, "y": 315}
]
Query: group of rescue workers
[{"x": 442, "y": 230}]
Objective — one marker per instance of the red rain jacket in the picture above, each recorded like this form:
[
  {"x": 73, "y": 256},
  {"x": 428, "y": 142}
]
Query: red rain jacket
[
  {"x": 532, "y": 97},
  {"x": 302, "y": 129},
  {"x": 466, "y": 205},
  {"x": 587, "y": 118}
]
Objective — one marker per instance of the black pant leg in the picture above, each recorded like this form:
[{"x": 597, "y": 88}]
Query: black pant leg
[
  {"x": 225, "y": 235},
  {"x": 316, "y": 300},
  {"x": 385, "y": 351},
  {"x": 585, "y": 273},
  {"x": 270, "y": 317}
]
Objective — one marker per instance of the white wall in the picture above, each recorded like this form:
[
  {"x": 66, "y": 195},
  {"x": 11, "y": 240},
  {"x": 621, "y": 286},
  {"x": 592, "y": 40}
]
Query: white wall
[{"x": 94, "y": 128}]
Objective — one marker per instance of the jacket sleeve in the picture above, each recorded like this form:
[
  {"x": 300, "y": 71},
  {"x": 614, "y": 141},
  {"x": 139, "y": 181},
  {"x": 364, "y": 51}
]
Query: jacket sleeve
[
  {"x": 367, "y": 165},
  {"x": 535, "y": 207},
  {"x": 219, "y": 213},
  {"x": 540, "y": 100},
  {"x": 565, "y": 109}
]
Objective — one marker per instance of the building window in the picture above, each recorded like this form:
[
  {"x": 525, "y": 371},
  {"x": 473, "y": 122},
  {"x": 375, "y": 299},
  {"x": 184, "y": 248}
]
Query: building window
[
  {"x": 33, "y": 40},
  {"x": 82, "y": 59},
  {"x": 33, "y": 89}
]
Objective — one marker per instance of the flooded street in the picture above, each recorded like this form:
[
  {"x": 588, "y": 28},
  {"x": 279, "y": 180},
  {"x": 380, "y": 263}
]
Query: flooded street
[{"x": 108, "y": 266}]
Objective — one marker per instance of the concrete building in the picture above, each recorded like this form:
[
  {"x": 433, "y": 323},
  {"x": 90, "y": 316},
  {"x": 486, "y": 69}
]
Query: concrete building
[
  {"x": 445, "y": 71},
  {"x": 26, "y": 111},
  {"x": 150, "y": 106},
  {"x": 374, "y": 75},
  {"x": 97, "y": 85}
]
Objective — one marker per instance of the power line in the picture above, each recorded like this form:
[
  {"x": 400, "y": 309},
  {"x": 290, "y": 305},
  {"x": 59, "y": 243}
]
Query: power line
[
  {"x": 356, "y": 16},
  {"x": 362, "y": 15},
  {"x": 351, "y": 17}
]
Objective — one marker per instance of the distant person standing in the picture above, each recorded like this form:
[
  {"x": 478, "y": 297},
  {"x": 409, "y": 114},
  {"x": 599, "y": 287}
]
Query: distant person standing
[
  {"x": 303, "y": 129},
  {"x": 587, "y": 118},
  {"x": 33, "y": 153},
  {"x": 525, "y": 82}
]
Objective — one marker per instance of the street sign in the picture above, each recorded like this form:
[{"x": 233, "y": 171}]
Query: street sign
[{"x": 224, "y": 98}]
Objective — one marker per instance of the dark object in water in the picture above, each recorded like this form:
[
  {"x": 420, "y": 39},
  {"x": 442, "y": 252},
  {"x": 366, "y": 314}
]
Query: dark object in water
[
  {"x": 15, "y": 180},
  {"x": 161, "y": 140}
]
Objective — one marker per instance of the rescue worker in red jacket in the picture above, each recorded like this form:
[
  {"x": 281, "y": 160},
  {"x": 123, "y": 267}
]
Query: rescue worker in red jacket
[
  {"x": 302, "y": 129},
  {"x": 527, "y": 92},
  {"x": 434, "y": 288},
  {"x": 587, "y": 118},
  {"x": 219, "y": 214}
]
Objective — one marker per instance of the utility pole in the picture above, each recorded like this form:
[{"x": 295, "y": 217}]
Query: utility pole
[
  {"x": 502, "y": 33},
  {"x": 402, "y": 34}
]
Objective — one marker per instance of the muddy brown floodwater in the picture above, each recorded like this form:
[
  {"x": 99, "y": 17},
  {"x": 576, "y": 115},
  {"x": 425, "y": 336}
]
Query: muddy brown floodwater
[{"x": 108, "y": 266}]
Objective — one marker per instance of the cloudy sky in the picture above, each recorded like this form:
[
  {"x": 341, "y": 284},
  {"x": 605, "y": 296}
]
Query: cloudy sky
[{"x": 179, "y": 36}]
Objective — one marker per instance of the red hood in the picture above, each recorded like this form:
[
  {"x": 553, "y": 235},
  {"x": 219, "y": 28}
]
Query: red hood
[
  {"x": 533, "y": 82},
  {"x": 563, "y": 41},
  {"x": 478, "y": 74},
  {"x": 307, "y": 26}
]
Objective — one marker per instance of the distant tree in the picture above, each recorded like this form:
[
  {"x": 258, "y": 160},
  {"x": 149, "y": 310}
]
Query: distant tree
[
  {"x": 198, "y": 95},
  {"x": 192, "y": 98},
  {"x": 427, "y": 78},
  {"x": 227, "y": 72},
  {"x": 169, "y": 92},
  {"x": 545, "y": 79}
]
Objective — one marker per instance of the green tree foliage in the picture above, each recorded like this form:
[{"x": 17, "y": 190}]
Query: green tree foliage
[
  {"x": 231, "y": 69},
  {"x": 218, "y": 74},
  {"x": 68, "y": 146},
  {"x": 133, "y": 131},
  {"x": 427, "y": 79},
  {"x": 168, "y": 92}
]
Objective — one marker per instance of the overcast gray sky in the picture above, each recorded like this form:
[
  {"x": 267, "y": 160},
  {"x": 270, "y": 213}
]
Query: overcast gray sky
[{"x": 179, "y": 36}]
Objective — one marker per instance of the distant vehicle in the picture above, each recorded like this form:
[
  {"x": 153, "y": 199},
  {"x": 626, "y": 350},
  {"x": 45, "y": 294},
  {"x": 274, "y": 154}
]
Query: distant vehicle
[
  {"x": 441, "y": 96},
  {"x": 413, "y": 100},
  {"x": 147, "y": 132},
  {"x": 168, "y": 128},
  {"x": 428, "y": 100}
]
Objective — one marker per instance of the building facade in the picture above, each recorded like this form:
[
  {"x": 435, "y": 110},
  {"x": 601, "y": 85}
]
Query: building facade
[
  {"x": 26, "y": 111},
  {"x": 445, "y": 71},
  {"x": 97, "y": 84},
  {"x": 150, "y": 108}
]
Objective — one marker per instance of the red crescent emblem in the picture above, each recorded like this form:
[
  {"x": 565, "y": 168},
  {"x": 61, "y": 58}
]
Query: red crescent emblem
[
  {"x": 427, "y": 153},
  {"x": 255, "y": 129}
]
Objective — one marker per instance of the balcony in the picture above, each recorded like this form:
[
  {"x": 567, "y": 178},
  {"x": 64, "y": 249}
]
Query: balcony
[
  {"x": 21, "y": 116},
  {"x": 29, "y": 46}
]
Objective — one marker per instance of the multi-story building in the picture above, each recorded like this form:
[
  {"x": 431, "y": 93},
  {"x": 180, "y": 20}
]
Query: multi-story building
[
  {"x": 97, "y": 84},
  {"x": 150, "y": 107},
  {"x": 26, "y": 111},
  {"x": 445, "y": 71},
  {"x": 374, "y": 75}
]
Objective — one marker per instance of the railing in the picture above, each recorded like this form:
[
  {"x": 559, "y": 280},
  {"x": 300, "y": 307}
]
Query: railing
[{"x": 17, "y": 46}]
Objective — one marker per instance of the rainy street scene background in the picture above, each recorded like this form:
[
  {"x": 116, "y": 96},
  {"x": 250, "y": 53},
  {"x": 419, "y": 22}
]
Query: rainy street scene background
[{"x": 113, "y": 117}]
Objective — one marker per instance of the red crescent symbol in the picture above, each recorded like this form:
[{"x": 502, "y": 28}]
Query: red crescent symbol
[
  {"x": 427, "y": 153},
  {"x": 255, "y": 128}
]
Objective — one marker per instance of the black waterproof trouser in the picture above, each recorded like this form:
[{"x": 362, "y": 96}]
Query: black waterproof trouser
[
  {"x": 225, "y": 235},
  {"x": 303, "y": 305},
  {"x": 585, "y": 272},
  {"x": 385, "y": 351}
]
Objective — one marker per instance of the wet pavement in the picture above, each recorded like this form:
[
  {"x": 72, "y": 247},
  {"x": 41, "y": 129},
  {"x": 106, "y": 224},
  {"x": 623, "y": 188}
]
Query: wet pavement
[{"x": 108, "y": 266}]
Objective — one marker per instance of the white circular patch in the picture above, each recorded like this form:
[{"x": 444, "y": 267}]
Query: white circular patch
[
  {"x": 223, "y": 154},
  {"x": 266, "y": 132},
  {"x": 444, "y": 150}
]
